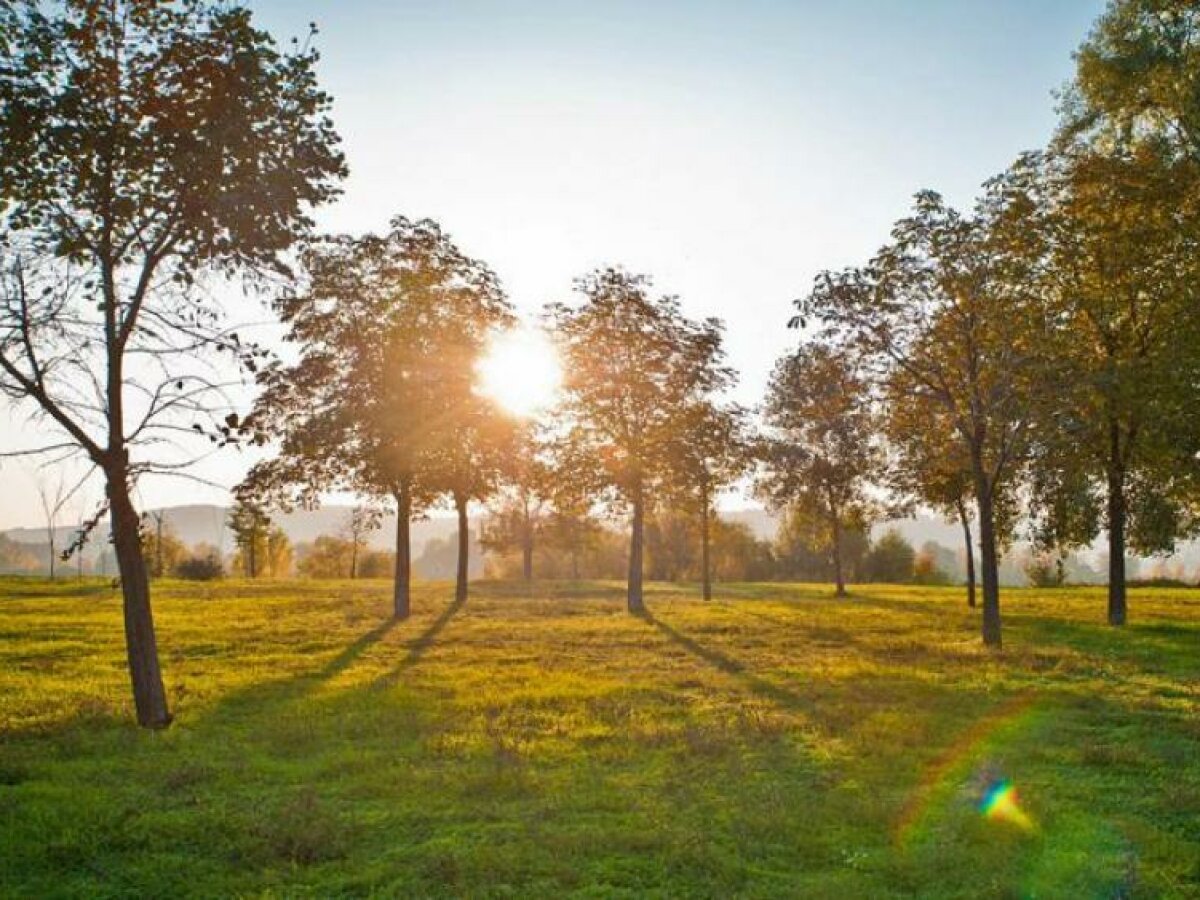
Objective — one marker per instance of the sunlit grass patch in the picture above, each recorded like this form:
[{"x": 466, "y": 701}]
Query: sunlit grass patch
[{"x": 541, "y": 741}]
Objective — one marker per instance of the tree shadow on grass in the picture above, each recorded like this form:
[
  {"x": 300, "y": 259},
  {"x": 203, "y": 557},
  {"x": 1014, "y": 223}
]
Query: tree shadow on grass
[
  {"x": 733, "y": 667},
  {"x": 1153, "y": 647},
  {"x": 420, "y": 645}
]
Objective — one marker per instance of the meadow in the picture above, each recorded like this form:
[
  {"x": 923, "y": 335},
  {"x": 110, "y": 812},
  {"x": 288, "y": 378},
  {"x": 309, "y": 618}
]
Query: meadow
[{"x": 543, "y": 742}]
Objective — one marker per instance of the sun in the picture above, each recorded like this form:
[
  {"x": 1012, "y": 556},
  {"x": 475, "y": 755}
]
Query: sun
[{"x": 520, "y": 371}]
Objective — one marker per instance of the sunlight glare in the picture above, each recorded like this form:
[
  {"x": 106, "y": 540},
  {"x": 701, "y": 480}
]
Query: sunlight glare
[{"x": 520, "y": 371}]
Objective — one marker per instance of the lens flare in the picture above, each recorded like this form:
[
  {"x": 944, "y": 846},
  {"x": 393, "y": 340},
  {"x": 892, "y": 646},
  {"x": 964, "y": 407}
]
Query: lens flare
[{"x": 1000, "y": 804}]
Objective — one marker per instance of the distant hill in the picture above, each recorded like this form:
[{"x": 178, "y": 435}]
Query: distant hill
[{"x": 205, "y": 523}]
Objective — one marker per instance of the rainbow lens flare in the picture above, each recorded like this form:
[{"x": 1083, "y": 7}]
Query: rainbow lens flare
[{"x": 1000, "y": 804}]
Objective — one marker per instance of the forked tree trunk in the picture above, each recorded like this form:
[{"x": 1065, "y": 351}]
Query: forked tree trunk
[
  {"x": 635, "y": 602},
  {"x": 141, "y": 646},
  {"x": 464, "y": 549},
  {"x": 705, "y": 565},
  {"x": 1117, "y": 514},
  {"x": 987, "y": 559},
  {"x": 965, "y": 519},
  {"x": 401, "y": 598}
]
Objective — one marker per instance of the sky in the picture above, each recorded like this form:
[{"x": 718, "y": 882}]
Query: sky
[{"x": 729, "y": 150}]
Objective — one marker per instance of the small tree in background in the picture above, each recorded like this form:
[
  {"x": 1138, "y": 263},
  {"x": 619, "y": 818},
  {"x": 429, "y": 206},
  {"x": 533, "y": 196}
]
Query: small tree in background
[
  {"x": 53, "y": 495},
  {"x": 161, "y": 547},
  {"x": 523, "y": 502},
  {"x": 712, "y": 452},
  {"x": 634, "y": 366},
  {"x": 360, "y": 522},
  {"x": 891, "y": 559},
  {"x": 821, "y": 452},
  {"x": 251, "y": 527}
]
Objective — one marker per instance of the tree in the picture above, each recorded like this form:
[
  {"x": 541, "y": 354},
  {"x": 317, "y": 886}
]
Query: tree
[
  {"x": 53, "y": 496},
  {"x": 391, "y": 321},
  {"x": 942, "y": 317},
  {"x": 160, "y": 546},
  {"x": 930, "y": 466},
  {"x": 802, "y": 547},
  {"x": 713, "y": 451},
  {"x": 1118, "y": 245},
  {"x": 145, "y": 145},
  {"x": 821, "y": 452},
  {"x": 633, "y": 367},
  {"x": 526, "y": 493},
  {"x": 891, "y": 559},
  {"x": 328, "y": 557},
  {"x": 470, "y": 443},
  {"x": 251, "y": 526},
  {"x": 1119, "y": 204},
  {"x": 360, "y": 521},
  {"x": 1137, "y": 76}
]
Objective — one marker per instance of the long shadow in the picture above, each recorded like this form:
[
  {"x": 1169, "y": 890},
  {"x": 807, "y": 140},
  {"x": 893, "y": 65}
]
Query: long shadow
[
  {"x": 420, "y": 645},
  {"x": 346, "y": 658},
  {"x": 734, "y": 667}
]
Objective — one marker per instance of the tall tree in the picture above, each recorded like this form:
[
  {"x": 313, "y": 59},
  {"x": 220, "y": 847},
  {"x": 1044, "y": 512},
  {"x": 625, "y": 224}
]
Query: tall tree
[
  {"x": 822, "y": 451},
  {"x": 633, "y": 367},
  {"x": 941, "y": 317},
  {"x": 1125, "y": 173},
  {"x": 144, "y": 144},
  {"x": 387, "y": 328},
  {"x": 1119, "y": 243}
]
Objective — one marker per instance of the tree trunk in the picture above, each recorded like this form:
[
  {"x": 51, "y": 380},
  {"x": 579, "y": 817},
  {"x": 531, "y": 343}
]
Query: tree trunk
[
  {"x": 988, "y": 562},
  {"x": 1117, "y": 515},
  {"x": 149, "y": 697},
  {"x": 353, "y": 558},
  {"x": 401, "y": 597},
  {"x": 705, "y": 566},
  {"x": 965, "y": 519},
  {"x": 635, "y": 601},
  {"x": 527, "y": 549},
  {"x": 464, "y": 548},
  {"x": 835, "y": 522}
]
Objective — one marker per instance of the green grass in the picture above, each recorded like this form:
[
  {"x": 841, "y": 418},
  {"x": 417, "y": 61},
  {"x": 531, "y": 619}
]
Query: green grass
[{"x": 775, "y": 742}]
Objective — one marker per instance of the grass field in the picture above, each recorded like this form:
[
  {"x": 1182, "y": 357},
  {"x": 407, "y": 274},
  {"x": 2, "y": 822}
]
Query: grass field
[{"x": 775, "y": 742}]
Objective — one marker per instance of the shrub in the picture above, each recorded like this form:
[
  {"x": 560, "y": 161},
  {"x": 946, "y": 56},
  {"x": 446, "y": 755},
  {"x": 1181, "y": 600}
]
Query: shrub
[{"x": 200, "y": 568}]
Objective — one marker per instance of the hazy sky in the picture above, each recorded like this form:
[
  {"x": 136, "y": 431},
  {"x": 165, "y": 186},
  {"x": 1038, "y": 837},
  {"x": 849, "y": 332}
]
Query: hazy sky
[{"x": 730, "y": 150}]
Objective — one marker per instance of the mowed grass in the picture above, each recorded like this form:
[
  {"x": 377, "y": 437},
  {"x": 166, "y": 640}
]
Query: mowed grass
[{"x": 774, "y": 742}]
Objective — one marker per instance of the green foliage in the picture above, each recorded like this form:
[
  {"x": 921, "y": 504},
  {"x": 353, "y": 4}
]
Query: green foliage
[
  {"x": 803, "y": 546},
  {"x": 774, "y": 742},
  {"x": 891, "y": 559},
  {"x": 821, "y": 452},
  {"x": 637, "y": 373}
]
